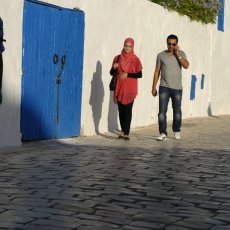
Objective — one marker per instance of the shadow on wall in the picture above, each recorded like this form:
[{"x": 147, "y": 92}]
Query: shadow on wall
[
  {"x": 112, "y": 115},
  {"x": 97, "y": 96},
  {"x": 96, "y": 101},
  {"x": 210, "y": 110},
  {"x": 9, "y": 112},
  {"x": 10, "y": 119}
]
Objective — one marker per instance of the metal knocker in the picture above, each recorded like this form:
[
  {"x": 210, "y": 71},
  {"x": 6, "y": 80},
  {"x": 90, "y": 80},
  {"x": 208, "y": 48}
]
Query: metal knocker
[
  {"x": 63, "y": 60},
  {"x": 55, "y": 59}
]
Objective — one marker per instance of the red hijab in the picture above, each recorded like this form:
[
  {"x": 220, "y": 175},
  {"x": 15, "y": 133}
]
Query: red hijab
[{"x": 126, "y": 89}]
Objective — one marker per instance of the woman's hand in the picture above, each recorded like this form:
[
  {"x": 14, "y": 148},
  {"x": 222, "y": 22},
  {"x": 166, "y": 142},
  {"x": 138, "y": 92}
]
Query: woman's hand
[
  {"x": 116, "y": 65},
  {"x": 115, "y": 99},
  {"x": 123, "y": 76}
]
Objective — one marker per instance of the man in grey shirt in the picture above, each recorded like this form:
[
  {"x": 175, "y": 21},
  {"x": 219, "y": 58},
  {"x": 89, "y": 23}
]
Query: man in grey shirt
[{"x": 168, "y": 65}]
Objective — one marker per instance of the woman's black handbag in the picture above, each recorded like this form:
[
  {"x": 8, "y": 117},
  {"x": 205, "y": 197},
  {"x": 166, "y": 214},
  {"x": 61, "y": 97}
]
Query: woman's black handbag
[{"x": 113, "y": 82}]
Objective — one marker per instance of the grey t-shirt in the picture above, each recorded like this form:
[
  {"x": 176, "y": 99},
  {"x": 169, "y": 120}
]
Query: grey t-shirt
[{"x": 171, "y": 74}]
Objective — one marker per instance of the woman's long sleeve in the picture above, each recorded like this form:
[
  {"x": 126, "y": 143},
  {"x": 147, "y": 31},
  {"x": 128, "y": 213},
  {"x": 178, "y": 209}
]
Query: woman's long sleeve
[
  {"x": 135, "y": 75},
  {"x": 131, "y": 75}
]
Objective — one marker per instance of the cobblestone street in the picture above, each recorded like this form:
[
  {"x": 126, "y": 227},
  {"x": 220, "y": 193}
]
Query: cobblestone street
[{"x": 103, "y": 183}]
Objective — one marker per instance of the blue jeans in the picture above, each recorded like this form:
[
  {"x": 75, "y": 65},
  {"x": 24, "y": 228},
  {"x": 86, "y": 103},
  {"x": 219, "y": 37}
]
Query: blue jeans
[{"x": 176, "y": 96}]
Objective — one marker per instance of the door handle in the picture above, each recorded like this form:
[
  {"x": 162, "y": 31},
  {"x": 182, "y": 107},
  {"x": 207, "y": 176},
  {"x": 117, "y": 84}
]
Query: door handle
[
  {"x": 63, "y": 60},
  {"x": 58, "y": 80},
  {"x": 55, "y": 59}
]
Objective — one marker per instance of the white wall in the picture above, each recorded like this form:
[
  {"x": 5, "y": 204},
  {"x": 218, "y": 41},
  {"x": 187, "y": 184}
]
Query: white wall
[
  {"x": 11, "y": 13},
  {"x": 107, "y": 24},
  {"x": 220, "y": 70}
]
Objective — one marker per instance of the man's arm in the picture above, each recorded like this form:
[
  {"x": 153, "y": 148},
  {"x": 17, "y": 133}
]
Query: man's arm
[
  {"x": 182, "y": 60},
  {"x": 184, "y": 63},
  {"x": 155, "y": 80}
]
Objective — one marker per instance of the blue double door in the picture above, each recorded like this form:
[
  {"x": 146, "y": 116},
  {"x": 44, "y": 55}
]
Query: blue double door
[{"x": 53, "y": 41}]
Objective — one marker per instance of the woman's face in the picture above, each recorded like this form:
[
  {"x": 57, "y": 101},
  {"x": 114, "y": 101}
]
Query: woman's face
[{"x": 128, "y": 47}]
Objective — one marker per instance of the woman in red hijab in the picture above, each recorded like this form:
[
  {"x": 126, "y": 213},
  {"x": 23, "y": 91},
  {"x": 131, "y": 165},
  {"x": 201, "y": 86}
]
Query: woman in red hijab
[{"x": 129, "y": 69}]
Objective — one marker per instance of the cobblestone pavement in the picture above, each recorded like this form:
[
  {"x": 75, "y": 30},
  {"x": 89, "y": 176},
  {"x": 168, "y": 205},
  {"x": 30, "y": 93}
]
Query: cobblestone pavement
[{"x": 102, "y": 183}]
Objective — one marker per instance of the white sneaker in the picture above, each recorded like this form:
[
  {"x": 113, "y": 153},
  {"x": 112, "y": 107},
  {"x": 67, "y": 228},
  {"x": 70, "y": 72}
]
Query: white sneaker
[
  {"x": 177, "y": 135},
  {"x": 162, "y": 137}
]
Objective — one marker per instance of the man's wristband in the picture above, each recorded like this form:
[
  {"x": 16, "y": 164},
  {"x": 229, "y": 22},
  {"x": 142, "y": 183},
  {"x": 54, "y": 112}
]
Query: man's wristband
[{"x": 179, "y": 57}]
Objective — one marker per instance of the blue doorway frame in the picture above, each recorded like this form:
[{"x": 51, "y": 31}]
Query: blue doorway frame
[{"x": 53, "y": 47}]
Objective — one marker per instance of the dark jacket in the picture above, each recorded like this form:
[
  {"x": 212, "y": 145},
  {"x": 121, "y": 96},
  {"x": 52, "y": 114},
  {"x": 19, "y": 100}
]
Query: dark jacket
[{"x": 2, "y": 48}]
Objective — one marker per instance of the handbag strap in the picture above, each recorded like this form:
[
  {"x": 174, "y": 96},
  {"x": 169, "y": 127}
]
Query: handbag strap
[{"x": 118, "y": 57}]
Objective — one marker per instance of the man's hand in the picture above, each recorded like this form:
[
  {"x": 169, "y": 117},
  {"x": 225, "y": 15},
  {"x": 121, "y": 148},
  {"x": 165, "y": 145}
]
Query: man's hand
[
  {"x": 154, "y": 92},
  {"x": 176, "y": 51},
  {"x": 155, "y": 80}
]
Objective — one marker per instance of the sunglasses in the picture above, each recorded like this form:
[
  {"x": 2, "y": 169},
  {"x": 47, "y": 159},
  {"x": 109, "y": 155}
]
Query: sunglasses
[
  {"x": 171, "y": 44},
  {"x": 128, "y": 46}
]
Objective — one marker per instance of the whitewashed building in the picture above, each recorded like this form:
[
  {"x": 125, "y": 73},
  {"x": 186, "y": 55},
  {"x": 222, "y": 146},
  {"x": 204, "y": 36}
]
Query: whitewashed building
[{"x": 58, "y": 54}]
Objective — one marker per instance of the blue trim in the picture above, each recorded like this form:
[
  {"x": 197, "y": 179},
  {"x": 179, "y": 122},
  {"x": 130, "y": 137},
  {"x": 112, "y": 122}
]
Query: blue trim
[
  {"x": 220, "y": 24},
  {"x": 193, "y": 87},
  {"x": 202, "y": 81},
  {"x": 53, "y": 6}
]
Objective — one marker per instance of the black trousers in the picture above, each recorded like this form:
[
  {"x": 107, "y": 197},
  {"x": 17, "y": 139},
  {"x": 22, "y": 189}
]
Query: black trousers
[
  {"x": 125, "y": 117},
  {"x": 1, "y": 71}
]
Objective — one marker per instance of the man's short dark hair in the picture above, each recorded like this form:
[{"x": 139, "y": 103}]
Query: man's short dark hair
[{"x": 172, "y": 36}]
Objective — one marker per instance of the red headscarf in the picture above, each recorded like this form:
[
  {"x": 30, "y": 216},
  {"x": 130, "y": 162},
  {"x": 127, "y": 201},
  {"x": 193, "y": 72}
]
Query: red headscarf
[{"x": 126, "y": 89}]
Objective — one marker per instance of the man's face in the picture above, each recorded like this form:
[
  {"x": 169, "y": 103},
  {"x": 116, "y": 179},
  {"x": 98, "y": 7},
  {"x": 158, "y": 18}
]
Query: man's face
[{"x": 171, "y": 43}]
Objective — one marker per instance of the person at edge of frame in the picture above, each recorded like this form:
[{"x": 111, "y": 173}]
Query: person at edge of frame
[{"x": 2, "y": 48}]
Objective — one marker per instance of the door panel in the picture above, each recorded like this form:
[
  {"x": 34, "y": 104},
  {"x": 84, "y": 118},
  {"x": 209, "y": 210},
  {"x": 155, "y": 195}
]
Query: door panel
[
  {"x": 71, "y": 84},
  {"x": 48, "y": 109}
]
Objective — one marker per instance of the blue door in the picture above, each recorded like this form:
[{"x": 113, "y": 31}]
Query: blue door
[{"x": 53, "y": 41}]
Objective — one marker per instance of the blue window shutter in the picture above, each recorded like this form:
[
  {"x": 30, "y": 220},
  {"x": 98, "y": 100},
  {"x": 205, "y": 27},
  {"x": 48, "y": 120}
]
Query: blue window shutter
[
  {"x": 193, "y": 87},
  {"x": 202, "y": 81},
  {"x": 220, "y": 24}
]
